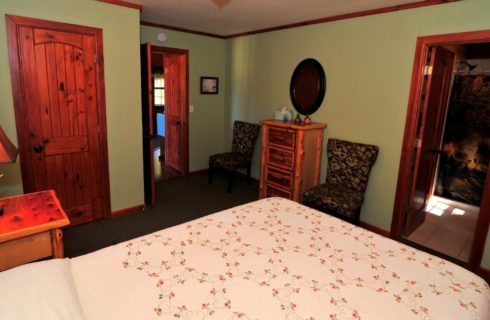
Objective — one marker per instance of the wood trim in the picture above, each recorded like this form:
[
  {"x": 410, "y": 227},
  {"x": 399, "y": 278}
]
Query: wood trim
[
  {"x": 197, "y": 172},
  {"x": 185, "y": 117},
  {"x": 307, "y": 22},
  {"x": 482, "y": 225},
  {"x": 104, "y": 149},
  {"x": 402, "y": 195},
  {"x": 20, "y": 116},
  {"x": 129, "y": 210},
  {"x": 373, "y": 228},
  {"x": 164, "y": 26},
  {"x": 13, "y": 23},
  {"x": 345, "y": 16},
  {"x": 124, "y": 4},
  {"x": 47, "y": 24},
  {"x": 484, "y": 273}
]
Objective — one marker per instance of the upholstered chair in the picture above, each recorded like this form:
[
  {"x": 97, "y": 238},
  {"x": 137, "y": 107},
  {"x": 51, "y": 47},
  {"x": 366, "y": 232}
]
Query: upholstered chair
[
  {"x": 348, "y": 169},
  {"x": 244, "y": 137}
]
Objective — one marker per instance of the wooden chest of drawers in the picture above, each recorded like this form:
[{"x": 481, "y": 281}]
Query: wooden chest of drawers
[{"x": 291, "y": 156}]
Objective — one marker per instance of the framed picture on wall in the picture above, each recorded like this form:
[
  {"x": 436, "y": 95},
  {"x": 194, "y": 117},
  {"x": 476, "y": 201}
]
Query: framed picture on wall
[{"x": 209, "y": 85}]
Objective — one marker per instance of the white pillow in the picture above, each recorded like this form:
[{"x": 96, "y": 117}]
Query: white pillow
[{"x": 39, "y": 290}]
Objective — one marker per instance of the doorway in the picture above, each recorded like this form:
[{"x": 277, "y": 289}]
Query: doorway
[
  {"x": 58, "y": 87},
  {"x": 443, "y": 193},
  {"x": 165, "y": 96}
]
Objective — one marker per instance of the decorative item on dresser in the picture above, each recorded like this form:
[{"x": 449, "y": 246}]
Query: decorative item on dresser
[
  {"x": 30, "y": 228},
  {"x": 291, "y": 156}
]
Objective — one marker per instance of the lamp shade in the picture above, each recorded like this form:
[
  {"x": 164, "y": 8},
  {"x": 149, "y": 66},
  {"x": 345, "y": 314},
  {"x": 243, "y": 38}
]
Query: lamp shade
[{"x": 8, "y": 152}]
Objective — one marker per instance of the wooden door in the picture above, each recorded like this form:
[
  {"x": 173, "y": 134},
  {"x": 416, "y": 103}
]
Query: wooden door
[
  {"x": 148, "y": 129},
  {"x": 432, "y": 124},
  {"x": 60, "y": 113},
  {"x": 175, "y": 68}
]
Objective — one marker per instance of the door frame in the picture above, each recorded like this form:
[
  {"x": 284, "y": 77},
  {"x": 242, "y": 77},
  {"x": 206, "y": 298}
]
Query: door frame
[
  {"x": 185, "y": 115},
  {"x": 150, "y": 182},
  {"x": 416, "y": 216},
  {"x": 13, "y": 23},
  {"x": 402, "y": 196}
]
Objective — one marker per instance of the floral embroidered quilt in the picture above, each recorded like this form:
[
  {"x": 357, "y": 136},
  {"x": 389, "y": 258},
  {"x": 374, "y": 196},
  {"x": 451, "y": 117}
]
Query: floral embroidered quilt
[{"x": 273, "y": 259}]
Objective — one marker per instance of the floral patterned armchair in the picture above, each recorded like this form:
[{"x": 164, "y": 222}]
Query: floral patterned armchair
[
  {"x": 244, "y": 137},
  {"x": 348, "y": 170}
]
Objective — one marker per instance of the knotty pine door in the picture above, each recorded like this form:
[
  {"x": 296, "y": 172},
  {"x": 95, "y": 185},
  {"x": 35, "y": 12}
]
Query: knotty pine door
[{"x": 60, "y": 113}]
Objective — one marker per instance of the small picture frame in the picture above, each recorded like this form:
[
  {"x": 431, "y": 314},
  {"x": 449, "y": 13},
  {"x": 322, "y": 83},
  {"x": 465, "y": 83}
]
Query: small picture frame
[{"x": 209, "y": 85}]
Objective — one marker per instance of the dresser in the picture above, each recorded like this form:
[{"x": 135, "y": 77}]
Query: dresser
[{"x": 291, "y": 158}]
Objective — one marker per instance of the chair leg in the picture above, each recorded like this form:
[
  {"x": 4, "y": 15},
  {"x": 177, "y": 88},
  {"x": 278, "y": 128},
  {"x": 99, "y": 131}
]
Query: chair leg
[
  {"x": 249, "y": 179},
  {"x": 210, "y": 173},
  {"x": 230, "y": 180}
]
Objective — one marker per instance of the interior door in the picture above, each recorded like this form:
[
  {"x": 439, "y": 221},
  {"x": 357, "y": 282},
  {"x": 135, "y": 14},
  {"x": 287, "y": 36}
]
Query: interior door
[
  {"x": 54, "y": 74},
  {"x": 148, "y": 129},
  {"x": 432, "y": 124},
  {"x": 175, "y": 68}
]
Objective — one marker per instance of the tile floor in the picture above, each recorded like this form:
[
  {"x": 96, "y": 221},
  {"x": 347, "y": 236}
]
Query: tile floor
[{"x": 449, "y": 228}]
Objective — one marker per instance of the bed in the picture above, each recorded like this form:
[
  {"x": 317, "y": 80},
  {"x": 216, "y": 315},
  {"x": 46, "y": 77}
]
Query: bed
[{"x": 269, "y": 259}]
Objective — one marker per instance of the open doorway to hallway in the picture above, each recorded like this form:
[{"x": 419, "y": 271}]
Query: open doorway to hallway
[{"x": 165, "y": 100}]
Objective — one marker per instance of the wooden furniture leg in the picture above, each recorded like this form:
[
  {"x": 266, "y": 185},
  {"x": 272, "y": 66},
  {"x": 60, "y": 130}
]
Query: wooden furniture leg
[{"x": 57, "y": 243}]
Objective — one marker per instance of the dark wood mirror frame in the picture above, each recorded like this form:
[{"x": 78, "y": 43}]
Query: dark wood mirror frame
[{"x": 308, "y": 86}]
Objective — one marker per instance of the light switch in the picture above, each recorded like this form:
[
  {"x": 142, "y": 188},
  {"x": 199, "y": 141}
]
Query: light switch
[{"x": 191, "y": 108}]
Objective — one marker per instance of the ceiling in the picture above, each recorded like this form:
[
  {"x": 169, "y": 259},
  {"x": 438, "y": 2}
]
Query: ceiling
[{"x": 239, "y": 16}]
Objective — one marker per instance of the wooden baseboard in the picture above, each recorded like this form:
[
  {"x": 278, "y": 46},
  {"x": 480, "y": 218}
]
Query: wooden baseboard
[
  {"x": 195, "y": 172},
  {"x": 129, "y": 210},
  {"x": 370, "y": 227},
  {"x": 484, "y": 273}
]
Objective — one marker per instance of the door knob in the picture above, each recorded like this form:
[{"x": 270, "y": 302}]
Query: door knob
[
  {"x": 38, "y": 149},
  {"x": 178, "y": 122}
]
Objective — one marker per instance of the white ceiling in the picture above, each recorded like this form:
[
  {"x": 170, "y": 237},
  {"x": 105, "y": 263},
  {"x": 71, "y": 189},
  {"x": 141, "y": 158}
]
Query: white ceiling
[{"x": 249, "y": 15}]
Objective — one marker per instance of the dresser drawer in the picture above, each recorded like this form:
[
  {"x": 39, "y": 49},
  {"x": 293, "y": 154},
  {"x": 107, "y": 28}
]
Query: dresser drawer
[
  {"x": 279, "y": 177},
  {"x": 282, "y": 137},
  {"x": 281, "y": 158},
  {"x": 271, "y": 191}
]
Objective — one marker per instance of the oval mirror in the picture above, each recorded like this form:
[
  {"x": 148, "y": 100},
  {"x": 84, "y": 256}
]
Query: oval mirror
[{"x": 308, "y": 86}]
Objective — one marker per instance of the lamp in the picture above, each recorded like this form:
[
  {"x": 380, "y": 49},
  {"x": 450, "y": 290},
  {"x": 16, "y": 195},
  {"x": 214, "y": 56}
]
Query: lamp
[{"x": 8, "y": 153}]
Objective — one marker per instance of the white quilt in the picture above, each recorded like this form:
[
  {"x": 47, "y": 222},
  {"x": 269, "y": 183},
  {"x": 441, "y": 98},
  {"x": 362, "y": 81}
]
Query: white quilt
[{"x": 273, "y": 259}]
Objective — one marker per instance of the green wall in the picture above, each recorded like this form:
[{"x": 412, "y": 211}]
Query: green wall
[
  {"x": 206, "y": 58},
  {"x": 368, "y": 61},
  {"x": 122, "y": 83}
]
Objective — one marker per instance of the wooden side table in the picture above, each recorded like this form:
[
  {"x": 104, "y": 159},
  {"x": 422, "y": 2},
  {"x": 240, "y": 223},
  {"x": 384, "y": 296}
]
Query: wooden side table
[{"x": 30, "y": 228}]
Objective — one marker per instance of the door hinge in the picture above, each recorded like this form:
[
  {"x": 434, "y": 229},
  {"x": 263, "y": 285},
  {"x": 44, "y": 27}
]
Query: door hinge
[
  {"x": 427, "y": 70},
  {"x": 98, "y": 128},
  {"x": 95, "y": 59}
]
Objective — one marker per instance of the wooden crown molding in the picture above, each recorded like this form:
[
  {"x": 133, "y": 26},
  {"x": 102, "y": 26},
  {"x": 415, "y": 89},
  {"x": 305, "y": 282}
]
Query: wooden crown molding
[
  {"x": 124, "y": 4},
  {"x": 164, "y": 26},
  {"x": 305, "y": 23}
]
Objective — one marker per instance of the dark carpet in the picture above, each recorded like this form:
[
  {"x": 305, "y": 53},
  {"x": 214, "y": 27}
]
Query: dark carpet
[{"x": 178, "y": 201}]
